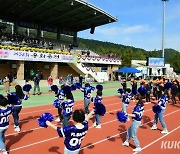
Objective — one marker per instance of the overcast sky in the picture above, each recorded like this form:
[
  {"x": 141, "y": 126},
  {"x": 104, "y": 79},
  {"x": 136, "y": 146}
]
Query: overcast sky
[{"x": 139, "y": 23}]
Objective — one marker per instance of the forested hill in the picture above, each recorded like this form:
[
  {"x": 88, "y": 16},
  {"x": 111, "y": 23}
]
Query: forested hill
[{"x": 127, "y": 53}]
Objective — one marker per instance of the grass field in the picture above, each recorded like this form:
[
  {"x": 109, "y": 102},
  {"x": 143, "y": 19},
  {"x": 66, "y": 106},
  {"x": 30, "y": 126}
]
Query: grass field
[{"x": 110, "y": 89}]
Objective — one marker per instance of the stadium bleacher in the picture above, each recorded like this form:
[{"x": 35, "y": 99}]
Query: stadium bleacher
[{"x": 58, "y": 17}]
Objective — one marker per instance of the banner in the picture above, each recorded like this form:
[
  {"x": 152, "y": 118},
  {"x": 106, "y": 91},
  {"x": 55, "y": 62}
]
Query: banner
[{"x": 36, "y": 56}]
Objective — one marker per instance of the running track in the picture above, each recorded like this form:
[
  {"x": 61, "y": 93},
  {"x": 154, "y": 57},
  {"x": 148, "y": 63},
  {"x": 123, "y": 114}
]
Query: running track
[{"x": 35, "y": 140}]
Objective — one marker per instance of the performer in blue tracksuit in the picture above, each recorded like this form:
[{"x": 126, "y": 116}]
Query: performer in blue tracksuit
[
  {"x": 142, "y": 90},
  {"x": 17, "y": 105},
  {"x": 60, "y": 95},
  {"x": 87, "y": 96},
  {"x": 162, "y": 102},
  {"x": 126, "y": 100},
  {"x": 136, "y": 121},
  {"x": 74, "y": 134},
  {"x": 67, "y": 107},
  {"x": 4, "y": 121},
  {"x": 96, "y": 100}
]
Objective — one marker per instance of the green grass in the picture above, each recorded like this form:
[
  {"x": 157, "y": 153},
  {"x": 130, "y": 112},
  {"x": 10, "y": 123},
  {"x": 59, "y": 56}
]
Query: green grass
[
  {"x": 110, "y": 89},
  {"x": 49, "y": 98}
]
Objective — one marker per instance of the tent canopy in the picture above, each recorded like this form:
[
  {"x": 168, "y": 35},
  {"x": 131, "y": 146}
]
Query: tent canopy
[{"x": 127, "y": 70}]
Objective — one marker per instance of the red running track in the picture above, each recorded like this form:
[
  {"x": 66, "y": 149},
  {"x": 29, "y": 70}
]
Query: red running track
[{"x": 35, "y": 140}]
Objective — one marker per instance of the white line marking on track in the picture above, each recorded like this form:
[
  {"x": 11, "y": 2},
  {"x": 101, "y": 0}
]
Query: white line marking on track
[
  {"x": 159, "y": 139},
  {"x": 90, "y": 127},
  {"x": 70, "y": 120},
  {"x": 41, "y": 127},
  {"x": 77, "y": 100},
  {"x": 85, "y": 146},
  {"x": 55, "y": 108},
  {"x": 124, "y": 131},
  {"x": 57, "y": 114}
]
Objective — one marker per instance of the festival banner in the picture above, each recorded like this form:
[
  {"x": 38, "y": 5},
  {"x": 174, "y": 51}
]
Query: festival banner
[{"x": 36, "y": 56}]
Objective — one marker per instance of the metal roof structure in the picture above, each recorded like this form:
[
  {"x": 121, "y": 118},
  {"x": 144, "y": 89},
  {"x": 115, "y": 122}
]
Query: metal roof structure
[{"x": 73, "y": 15}]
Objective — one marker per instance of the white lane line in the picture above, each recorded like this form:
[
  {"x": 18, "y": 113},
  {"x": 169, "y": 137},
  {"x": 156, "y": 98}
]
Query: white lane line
[
  {"x": 55, "y": 108},
  {"x": 57, "y": 114},
  {"x": 70, "y": 120},
  {"x": 90, "y": 128},
  {"x": 41, "y": 127},
  {"x": 123, "y": 132},
  {"x": 54, "y": 96},
  {"x": 159, "y": 138}
]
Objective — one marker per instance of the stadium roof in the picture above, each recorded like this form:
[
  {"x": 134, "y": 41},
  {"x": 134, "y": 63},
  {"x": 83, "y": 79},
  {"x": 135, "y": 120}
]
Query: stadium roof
[{"x": 74, "y": 15}]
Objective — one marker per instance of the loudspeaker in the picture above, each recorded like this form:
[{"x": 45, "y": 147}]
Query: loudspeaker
[{"x": 92, "y": 30}]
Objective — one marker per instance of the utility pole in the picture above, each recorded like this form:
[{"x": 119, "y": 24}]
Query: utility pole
[{"x": 163, "y": 27}]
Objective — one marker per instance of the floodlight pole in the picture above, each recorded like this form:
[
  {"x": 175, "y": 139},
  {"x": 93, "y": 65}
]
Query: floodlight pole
[{"x": 163, "y": 27}]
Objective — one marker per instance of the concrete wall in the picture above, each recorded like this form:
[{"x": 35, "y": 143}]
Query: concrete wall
[
  {"x": 20, "y": 70},
  {"x": 7, "y": 68},
  {"x": 65, "y": 70},
  {"x": 55, "y": 69},
  {"x": 45, "y": 72},
  {"x": 4, "y": 70}
]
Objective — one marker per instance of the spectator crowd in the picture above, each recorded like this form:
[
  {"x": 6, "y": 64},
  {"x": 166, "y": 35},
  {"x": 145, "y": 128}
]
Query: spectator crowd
[{"x": 21, "y": 40}]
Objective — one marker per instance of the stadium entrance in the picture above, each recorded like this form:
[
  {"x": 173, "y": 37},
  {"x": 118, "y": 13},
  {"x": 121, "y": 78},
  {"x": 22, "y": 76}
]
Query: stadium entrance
[{"x": 29, "y": 70}]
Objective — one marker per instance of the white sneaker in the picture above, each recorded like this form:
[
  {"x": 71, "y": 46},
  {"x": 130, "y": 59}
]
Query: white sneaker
[
  {"x": 58, "y": 119},
  {"x": 137, "y": 149},
  {"x": 98, "y": 126},
  {"x": 4, "y": 152},
  {"x": 17, "y": 129},
  {"x": 94, "y": 124},
  {"x": 14, "y": 126},
  {"x": 126, "y": 143},
  {"x": 165, "y": 131},
  {"x": 154, "y": 127}
]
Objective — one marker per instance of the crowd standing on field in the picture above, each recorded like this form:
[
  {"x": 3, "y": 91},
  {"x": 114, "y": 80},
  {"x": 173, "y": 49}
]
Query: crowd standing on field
[{"x": 158, "y": 90}]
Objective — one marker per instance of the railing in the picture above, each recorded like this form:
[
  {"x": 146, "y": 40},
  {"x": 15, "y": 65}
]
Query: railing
[
  {"x": 99, "y": 59},
  {"x": 89, "y": 69},
  {"x": 25, "y": 48}
]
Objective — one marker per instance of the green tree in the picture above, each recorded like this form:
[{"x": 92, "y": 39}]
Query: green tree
[
  {"x": 127, "y": 57},
  {"x": 175, "y": 62},
  {"x": 139, "y": 55}
]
